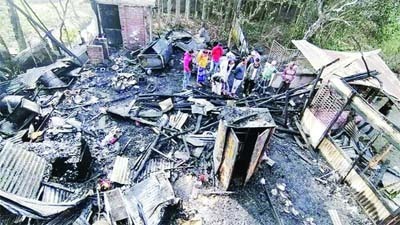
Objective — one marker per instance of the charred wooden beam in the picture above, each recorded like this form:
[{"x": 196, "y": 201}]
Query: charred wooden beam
[{"x": 390, "y": 131}]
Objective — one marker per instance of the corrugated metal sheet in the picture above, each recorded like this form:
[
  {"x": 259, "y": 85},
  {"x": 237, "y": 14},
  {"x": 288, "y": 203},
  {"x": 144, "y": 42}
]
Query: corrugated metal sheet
[
  {"x": 366, "y": 196},
  {"x": 121, "y": 171},
  {"x": 54, "y": 194},
  {"x": 351, "y": 63},
  {"x": 17, "y": 138},
  {"x": 21, "y": 171},
  {"x": 157, "y": 165},
  {"x": 75, "y": 216}
]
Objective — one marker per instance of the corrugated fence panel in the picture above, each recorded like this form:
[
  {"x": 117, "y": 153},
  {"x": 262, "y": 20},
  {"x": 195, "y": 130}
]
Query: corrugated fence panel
[{"x": 366, "y": 197}]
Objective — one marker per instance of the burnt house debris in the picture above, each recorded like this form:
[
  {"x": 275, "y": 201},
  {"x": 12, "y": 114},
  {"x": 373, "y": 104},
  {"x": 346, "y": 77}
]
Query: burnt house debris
[
  {"x": 359, "y": 154},
  {"x": 117, "y": 141},
  {"x": 239, "y": 146},
  {"x": 156, "y": 55}
]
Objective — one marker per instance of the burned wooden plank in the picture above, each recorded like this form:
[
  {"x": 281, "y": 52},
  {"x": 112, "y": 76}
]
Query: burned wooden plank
[{"x": 229, "y": 158}]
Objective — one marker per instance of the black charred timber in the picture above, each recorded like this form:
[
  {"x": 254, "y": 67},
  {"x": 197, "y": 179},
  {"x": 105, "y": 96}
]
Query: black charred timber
[
  {"x": 274, "y": 211},
  {"x": 303, "y": 134},
  {"x": 217, "y": 102},
  {"x": 360, "y": 76},
  {"x": 280, "y": 111},
  {"x": 285, "y": 112},
  {"x": 146, "y": 156},
  {"x": 163, "y": 95},
  {"x": 288, "y": 131},
  {"x": 207, "y": 95},
  {"x": 282, "y": 96},
  {"x": 273, "y": 97},
  {"x": 237, "y": 120},
  {"x": 122, "y": 151},
  {"x": 279, "y": 121},
  {"x": 190, "y": 130}
]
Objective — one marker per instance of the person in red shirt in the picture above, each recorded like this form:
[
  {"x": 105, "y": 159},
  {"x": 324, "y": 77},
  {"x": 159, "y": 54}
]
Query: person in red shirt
[{"x": 216, "y": 53}]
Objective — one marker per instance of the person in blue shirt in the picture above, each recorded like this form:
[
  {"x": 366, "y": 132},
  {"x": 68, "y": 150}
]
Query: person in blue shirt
[{"x": 238, "y": 76}]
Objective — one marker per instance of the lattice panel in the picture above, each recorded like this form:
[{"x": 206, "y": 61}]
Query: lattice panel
[
  {"x": 326, "y": 105},
  {"x": 281, "y": 54}
]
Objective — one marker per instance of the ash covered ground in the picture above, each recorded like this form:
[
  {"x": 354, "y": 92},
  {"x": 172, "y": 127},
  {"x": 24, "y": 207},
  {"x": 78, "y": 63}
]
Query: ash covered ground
[{"x": 298, "y": 197}]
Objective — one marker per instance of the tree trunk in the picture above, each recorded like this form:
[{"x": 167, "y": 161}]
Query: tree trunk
[
  {"x": 177, "y": 11},
  {"x": 210, "y": 5},
  {"x": 196, "y": 13},
  {"x": 288, "y": 9},
  {"x": 204, "y": 10},
  {"x": 4, "y": 44},
  {"x": 187, "y": 9},
  {"x": 169, "y": 8},
  {"x": 16, "y": 24},
  {"x": 228, "y": 14},
  {"x": 312, "y": 30},
  {"x": 236, "y": 15},
  {"x": 159, "y": 10}
]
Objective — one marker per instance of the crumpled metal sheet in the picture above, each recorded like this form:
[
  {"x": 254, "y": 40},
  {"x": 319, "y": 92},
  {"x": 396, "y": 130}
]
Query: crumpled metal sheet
[
  {"x": 147, "y": 200},
  {"x": 36, "y": 209},
  {"x": 78, "y": 215},
  {"x": 156, "y": 55},
  {"x": 21, "y": 175},
  {"x": 183, "y": 40}
]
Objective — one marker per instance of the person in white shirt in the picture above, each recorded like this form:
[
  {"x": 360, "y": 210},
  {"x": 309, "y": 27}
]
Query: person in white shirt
[{"x": 253, "y": 72}]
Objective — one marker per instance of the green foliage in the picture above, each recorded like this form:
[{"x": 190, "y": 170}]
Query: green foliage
[{"x": 373, "y": 23}]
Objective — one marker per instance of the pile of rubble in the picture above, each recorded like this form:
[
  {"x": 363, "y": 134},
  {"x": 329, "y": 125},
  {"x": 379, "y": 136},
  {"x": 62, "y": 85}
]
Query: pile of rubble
[{"x": 113, "y": 141}]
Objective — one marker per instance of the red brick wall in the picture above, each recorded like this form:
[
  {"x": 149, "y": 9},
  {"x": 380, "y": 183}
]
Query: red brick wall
[
  {"x": 134, "y": 28},
  {"x": 95, "y": 54}
]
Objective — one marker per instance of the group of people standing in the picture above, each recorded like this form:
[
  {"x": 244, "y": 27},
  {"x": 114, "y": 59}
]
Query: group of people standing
[{"x": 220, "y": 68}]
